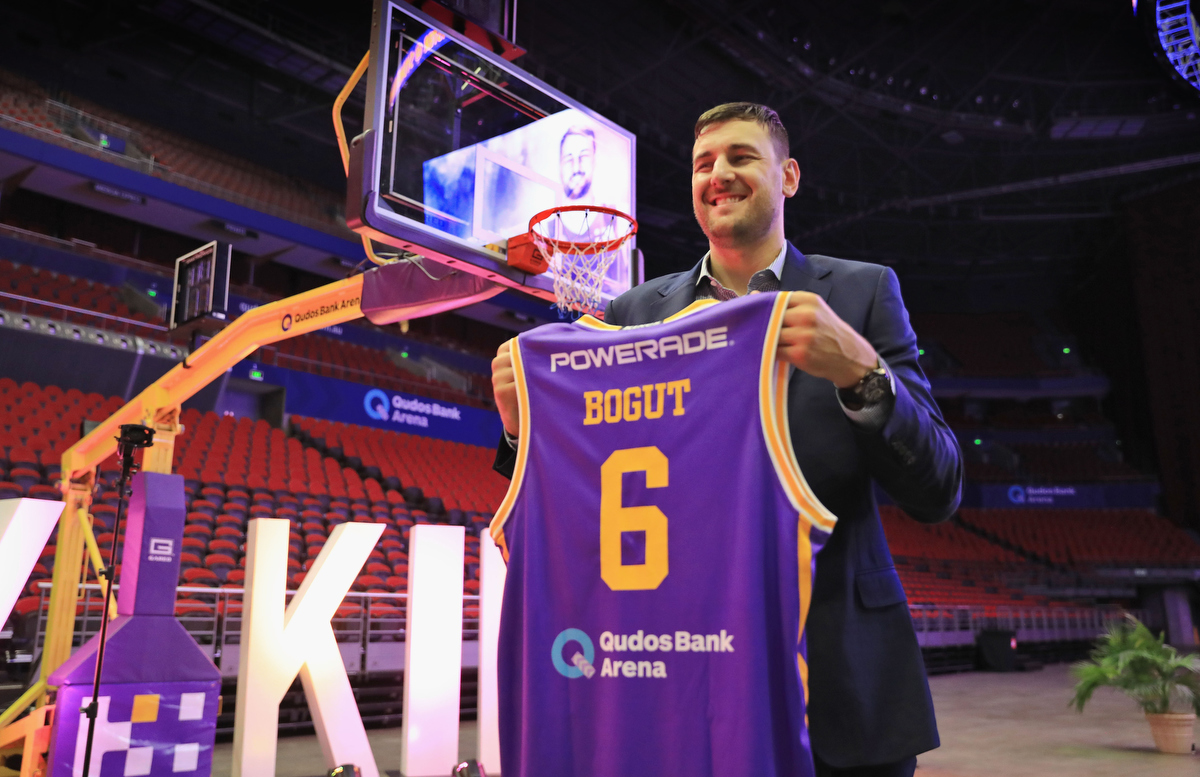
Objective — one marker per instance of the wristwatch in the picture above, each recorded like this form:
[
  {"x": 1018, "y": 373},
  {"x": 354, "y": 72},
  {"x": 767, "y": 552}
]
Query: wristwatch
[{"x": 872, "y": 389}]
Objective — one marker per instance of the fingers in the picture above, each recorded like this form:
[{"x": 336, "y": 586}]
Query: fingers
[
  {"x": 802, "y": 298},
  {"x": 504, "y": 387}
]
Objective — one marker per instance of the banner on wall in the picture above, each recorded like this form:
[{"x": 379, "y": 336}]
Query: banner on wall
[
  {"x": 1144, "y": 494},
  {"x": 354, "y": 403},
  {"x": 1139, "y": 495}
]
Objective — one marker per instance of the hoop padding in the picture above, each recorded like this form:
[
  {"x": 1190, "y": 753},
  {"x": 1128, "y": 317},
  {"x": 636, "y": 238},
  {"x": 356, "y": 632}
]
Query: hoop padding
[{"x": 580, "y": 242}]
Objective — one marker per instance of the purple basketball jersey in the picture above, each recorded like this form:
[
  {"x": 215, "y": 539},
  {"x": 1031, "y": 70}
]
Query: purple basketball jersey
[{"x": 660, "y": 542}]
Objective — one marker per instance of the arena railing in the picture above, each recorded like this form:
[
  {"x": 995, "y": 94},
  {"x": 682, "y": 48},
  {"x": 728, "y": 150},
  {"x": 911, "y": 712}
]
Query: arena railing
[
  {"x": 947, "y": 626},
  {"x": 370, "y": 640},
  {"x": 45, "y": 303},
  {"x": 151, "y": 167}
]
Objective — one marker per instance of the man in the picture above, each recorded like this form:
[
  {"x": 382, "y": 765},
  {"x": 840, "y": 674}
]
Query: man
[
  {"x": 577, "y": 162},
  {"x": 859, "y": 409},
  {"x": 577, "y": 169}
]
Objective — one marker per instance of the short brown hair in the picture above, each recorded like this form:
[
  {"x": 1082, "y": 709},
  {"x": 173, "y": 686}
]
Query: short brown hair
[{"x": 761, "y": 115}]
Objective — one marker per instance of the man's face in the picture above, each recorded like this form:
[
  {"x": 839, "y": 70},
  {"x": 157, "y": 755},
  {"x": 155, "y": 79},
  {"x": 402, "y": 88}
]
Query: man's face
[
  {"x": 577, "y": 161},
  {"x": 738, "y": 184}
]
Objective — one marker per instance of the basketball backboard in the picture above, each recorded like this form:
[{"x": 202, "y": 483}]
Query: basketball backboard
[{"x": 461, "y": 148}]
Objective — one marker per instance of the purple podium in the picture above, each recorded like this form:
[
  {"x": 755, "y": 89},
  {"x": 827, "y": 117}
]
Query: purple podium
[{"x": 158, "y": 691}]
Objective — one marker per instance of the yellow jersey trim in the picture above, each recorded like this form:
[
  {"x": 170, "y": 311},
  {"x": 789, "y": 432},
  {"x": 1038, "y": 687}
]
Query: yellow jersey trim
[
  {"x": 773, "y": 383},
  {"x": 496, "y": 529}
]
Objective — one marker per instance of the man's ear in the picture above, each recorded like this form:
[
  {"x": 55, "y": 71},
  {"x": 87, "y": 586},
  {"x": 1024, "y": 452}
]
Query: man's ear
[{"x": 791, "y": 177}]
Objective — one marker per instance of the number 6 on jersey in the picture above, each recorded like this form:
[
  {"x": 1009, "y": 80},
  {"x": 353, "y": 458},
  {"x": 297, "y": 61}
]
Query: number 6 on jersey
[{"x": 616, "y": 518}]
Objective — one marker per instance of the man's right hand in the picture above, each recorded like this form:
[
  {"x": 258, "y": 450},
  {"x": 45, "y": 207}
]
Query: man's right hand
[{"x": 504, "y": 387}]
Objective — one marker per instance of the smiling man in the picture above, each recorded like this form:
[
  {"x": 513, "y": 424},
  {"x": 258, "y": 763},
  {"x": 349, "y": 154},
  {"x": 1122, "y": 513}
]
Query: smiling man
[{"x": 859, "y": 411}]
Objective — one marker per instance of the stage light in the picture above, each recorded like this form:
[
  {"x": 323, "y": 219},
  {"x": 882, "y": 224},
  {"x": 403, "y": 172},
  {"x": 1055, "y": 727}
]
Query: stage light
[
  {"x": 1066, "y": 350},
  {"x": 1174, "y": 35},
  {"x": 978, "y": 441}
]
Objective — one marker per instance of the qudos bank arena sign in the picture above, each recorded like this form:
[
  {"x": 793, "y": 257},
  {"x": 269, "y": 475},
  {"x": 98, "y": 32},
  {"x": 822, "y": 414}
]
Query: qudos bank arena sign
[{"x": 406, "y": 411}]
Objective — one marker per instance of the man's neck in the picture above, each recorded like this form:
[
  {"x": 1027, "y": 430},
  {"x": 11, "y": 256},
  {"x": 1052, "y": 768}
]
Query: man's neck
[{"x": 734, "y": 267}]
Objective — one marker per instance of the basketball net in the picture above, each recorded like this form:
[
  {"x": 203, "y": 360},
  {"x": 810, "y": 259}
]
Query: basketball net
[{"x": 580, "y": 243}]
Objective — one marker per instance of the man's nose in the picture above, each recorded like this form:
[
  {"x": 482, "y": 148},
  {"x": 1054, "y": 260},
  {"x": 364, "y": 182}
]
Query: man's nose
[{"x": 722, "y": 171}]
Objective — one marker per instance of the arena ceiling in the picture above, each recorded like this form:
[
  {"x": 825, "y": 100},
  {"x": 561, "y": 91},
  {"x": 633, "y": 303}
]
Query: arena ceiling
[{"x": 938, "y": 136}]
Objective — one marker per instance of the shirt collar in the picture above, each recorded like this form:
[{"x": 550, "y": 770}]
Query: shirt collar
[{"x": 776, "y": 267}]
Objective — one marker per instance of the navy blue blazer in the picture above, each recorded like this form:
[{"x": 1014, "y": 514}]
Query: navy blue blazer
[{"x": 869, "y": 699}]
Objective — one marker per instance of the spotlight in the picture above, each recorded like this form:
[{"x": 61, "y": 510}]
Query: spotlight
[{"x": 1170, "y": 26}]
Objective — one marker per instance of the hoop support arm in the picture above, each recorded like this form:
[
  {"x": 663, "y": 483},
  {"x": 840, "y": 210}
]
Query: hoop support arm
[
  {"x": 335, "y": 303},
  {"x": 158, "y": 406}
]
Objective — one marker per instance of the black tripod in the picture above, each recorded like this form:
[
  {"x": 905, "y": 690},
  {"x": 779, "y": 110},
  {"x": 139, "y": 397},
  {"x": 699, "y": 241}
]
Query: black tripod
[{"x": 133, "y": 436}]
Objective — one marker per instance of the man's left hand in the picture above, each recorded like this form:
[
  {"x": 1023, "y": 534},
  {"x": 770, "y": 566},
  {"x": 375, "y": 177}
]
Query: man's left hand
[{"x": 815, "y": 340}]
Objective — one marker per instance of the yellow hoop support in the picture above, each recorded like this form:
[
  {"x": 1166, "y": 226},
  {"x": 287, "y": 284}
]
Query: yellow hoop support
[
  {"x": 339, "y": 129},
  {"x": 158, "y": 405},
  {"x": 18, "y": 706}
]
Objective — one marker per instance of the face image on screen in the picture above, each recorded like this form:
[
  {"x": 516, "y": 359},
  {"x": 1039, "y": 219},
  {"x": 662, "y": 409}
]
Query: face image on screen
[
  {"x": 469, "y": 146},
  {"x": 488, "y": 192}
]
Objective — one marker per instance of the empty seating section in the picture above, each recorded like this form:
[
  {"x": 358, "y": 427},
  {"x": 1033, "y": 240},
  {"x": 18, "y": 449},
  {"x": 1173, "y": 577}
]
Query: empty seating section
[
  {"x": 27, "y": 108},
  {"x": 986, "y": 345},
  {"x": 326, "y": 473},
  {"x": 235, "y": 470},
  {"x": 1072, "y": 462},
  {"x": 1084, "y": 539},
  {"x": 78, "y": 293},
  {"x": 987, "y": 472},
  {"x": 178, "y": 159},
  {"x": 908, "y": 538},
  {"x": 36, "y": 426},
  {"x": 461, "y": 476},
  {"x": 191, "y": 159},
  {"x": 945, "y": 564},
  {"x": 338, "y": 359}
]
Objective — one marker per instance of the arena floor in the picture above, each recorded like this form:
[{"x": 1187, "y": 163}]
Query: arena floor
[{"x": 992, "y": 725}]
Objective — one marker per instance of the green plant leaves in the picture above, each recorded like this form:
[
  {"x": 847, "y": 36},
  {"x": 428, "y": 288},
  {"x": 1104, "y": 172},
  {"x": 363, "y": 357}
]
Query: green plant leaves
[{"x": 1131, "y": 658}]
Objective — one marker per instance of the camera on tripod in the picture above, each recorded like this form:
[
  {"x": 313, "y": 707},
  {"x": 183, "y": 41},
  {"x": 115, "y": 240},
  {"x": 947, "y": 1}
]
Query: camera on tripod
[{"x": 134, "y": 436}]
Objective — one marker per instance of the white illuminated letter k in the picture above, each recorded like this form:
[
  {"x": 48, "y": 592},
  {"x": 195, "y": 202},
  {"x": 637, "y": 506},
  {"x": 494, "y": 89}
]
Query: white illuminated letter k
[{"x": 277, "y": 645}]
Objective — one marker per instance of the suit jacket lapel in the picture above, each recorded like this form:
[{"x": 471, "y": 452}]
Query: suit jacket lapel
[
  {"x": 805, "y": 273},
  {"x": 676, "y": 296}
]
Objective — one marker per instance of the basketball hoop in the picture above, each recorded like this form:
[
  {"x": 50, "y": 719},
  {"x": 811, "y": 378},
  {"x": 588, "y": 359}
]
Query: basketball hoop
[{"x": 580, "y": 243}]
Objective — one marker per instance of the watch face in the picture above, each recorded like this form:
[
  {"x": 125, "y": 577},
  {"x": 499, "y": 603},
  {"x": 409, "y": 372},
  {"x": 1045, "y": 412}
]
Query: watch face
[{"x": 875, "y": 388}]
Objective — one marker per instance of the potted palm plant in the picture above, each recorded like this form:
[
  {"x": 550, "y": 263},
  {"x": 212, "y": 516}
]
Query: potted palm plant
[{"x": 1165, "y": 684}]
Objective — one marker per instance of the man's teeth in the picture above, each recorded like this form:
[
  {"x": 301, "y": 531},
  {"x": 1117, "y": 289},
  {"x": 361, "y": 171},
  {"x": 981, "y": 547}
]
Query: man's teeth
[{"x": 728, "y": 198}]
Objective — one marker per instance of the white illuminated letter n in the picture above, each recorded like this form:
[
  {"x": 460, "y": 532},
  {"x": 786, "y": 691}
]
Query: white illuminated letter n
[{"x": 277, "y": 645}]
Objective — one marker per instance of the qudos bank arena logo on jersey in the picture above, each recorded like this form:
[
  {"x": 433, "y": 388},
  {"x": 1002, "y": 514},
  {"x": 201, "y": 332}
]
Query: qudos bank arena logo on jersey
[
  {"x": 581, "y": 663},
  {"x": 626, "y": 652}
]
